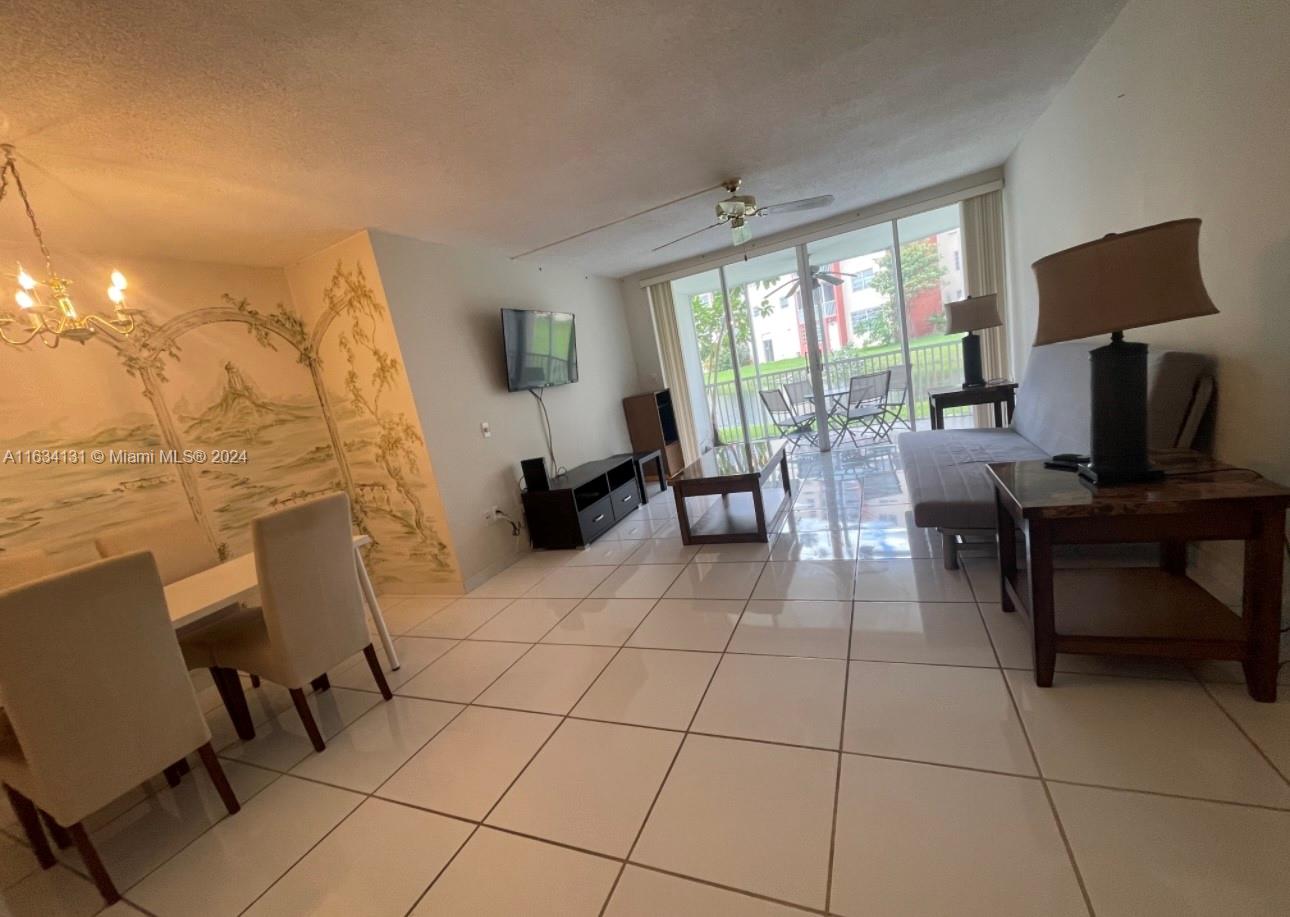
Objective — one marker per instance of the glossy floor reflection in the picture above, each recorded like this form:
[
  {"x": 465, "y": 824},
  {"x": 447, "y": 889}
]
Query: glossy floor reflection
[{"x": 828, "y": 723}]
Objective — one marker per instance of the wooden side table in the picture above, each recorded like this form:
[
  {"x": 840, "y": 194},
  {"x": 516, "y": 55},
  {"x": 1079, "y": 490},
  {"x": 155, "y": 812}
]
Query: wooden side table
[
  {"x": 998, "y": 392},
  {"x": 644, "y": 458},
  {"x": 1144, "y": 611}
]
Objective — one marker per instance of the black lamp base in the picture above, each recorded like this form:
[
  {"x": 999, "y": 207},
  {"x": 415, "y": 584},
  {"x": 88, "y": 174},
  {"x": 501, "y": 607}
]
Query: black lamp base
[
  {"x": 1118, "y": 441},
  {"x": 972, "y": 377}
]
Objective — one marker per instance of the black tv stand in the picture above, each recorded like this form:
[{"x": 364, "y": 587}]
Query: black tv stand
[{"x": 584, "y": 502}]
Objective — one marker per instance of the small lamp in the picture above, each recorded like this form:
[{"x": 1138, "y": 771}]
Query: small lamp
[
  {"x": 1125, "y": 280},
  {"x": 972, "y": 314}
]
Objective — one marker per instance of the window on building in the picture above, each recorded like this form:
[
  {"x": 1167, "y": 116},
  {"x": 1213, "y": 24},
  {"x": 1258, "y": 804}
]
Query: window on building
[
  {"x": 862, "y": 280},
  {"x": 768, "y": 351},
  {"x": 828, "y": 297}
]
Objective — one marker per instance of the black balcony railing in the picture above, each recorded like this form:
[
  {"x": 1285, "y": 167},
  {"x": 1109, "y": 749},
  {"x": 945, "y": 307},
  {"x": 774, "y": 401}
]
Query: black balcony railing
[{"x": 934, "y": 365}]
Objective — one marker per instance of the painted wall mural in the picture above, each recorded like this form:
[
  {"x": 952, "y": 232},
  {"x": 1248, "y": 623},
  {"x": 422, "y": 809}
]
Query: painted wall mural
[{"x": 246, "y": 388}]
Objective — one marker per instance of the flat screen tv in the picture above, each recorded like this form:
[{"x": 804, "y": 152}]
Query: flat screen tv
[{"x": 541, "y": 349}]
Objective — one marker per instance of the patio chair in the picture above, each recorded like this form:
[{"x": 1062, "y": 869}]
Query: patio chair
[
  {"x": 800, "y": 396},
  {"x": 865, "y": 407},
  {"x": 792, "y": 426},
  {"x": 894, "y": 403}
]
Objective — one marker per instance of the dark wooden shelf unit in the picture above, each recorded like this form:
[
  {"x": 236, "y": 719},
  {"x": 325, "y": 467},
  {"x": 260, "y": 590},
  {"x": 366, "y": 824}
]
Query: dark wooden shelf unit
[
  {"x": 651, "y": 424},
  {"x": 583, "y": 503}
]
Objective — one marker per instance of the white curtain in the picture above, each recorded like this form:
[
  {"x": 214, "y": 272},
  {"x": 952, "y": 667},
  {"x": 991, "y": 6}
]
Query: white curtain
[
  {"x": 983, "y": 272},
  {"x": 669, "y": 348}
]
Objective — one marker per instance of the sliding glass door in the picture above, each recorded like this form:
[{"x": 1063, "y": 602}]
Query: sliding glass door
[
  {"x": 745, "y": 328},
  {"x": 742, "y": 323},
  {"x": 859, "y": 305},
  {"x": 769, "y": 339}
]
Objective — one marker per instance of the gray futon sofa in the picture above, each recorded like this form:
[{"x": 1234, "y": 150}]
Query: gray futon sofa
[{"x": 945, "y": 469}]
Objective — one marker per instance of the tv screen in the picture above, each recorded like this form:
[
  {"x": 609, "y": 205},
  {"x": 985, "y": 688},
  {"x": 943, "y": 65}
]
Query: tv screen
[{"x": 541, "y": 349}]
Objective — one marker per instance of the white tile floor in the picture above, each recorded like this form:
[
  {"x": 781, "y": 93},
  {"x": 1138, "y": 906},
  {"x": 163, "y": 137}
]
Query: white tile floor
[{"x": 830, "y": 723}]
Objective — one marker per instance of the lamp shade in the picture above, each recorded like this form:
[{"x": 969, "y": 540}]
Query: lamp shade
[
  {"x": 1124, "y": 280},
  {"x": 973, "y": 313}
]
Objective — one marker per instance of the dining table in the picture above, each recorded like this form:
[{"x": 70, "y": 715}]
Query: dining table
[
  {"x": 209, "y": 592},
  {"x": 834, "y": 399}
]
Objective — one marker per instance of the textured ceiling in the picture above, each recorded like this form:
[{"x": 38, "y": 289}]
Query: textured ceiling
[{"x": 257, "y": 132}]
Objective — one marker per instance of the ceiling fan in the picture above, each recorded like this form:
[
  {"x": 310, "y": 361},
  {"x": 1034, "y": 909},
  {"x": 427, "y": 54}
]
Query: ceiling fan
[{"x": 738, "y": 208}]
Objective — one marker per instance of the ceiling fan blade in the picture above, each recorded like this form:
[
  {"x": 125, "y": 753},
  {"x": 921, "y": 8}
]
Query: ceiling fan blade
[
  {"x": 790, "y": 285},
  {"x": 806, "y": 203},
  {"x": 688, "y": 235},
  {"x": 829, "y": 277}
]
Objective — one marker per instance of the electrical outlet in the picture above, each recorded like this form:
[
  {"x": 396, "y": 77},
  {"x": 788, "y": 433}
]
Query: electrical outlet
[
  {"x": 493, "y": 513},
  {"x": 485, "y": 430}
]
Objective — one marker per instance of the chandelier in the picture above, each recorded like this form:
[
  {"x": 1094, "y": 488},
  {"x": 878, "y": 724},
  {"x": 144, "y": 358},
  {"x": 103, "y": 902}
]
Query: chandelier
[{"x": 52, "y": 316}]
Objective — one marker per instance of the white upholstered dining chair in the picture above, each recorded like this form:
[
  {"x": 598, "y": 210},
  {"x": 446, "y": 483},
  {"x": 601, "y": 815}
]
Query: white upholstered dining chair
[
  {"x": 181, "y": 549},
  {"x": 18, "y": 567},
  {"x": 177, "y": 543},
  {"x": 97, "y": 700},
  {"x": 311, "y": 617}
]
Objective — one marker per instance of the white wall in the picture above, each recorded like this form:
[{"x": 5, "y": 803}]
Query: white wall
[
  {"x": 444, "y": 303},
  {"x": 1182, "y": 109}
]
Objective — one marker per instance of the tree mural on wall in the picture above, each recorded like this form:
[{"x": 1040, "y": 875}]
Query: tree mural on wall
[
  {"x": 350, "y": 295},
  {"x": 147, "y": 353}
]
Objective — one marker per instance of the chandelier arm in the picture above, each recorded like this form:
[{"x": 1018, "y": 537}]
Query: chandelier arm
[
  {"x": 20, "y": 342},
  {"x": 121, "y": 326}
]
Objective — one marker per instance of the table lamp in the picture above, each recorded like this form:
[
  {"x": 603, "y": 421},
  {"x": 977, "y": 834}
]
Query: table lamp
[
  {"x": 972, "y": 314},
  {"x": 1124, "y": 280}
]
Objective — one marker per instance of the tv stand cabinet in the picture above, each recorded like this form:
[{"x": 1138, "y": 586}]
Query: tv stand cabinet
[{"x": 584, "y": 502}]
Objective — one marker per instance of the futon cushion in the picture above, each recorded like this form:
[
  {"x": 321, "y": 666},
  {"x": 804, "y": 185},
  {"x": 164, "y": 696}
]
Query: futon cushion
[
  {"x": 1054, "y": 400},
  {"x": 945, "y": 473}
]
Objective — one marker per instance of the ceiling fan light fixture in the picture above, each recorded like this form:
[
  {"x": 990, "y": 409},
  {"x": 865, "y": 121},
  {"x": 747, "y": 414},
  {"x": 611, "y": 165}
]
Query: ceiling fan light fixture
[{"x": 739, "y": 231}]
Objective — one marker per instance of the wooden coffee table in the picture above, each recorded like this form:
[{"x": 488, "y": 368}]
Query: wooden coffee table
[
  {"x": 1144, "y": 611},
  {"x": 737, "y": 473}
]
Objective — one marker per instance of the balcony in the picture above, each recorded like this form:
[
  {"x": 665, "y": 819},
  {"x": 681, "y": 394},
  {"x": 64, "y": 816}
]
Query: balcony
[{"x": 936, "y": 364}]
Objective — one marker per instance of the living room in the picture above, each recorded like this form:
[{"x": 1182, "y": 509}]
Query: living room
[{"x": 471, "y": 512}]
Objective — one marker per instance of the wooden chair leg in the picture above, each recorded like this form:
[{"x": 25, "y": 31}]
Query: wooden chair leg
[
  {"x": 255, "y": 681},
  {"x": 98, "y": 872},
  {"x": 374, "y": 663},
  {"x": 56, "y": 831},
  {"x": 25, "y": 809},
  {"x": 321, "y": 683},
  {"x": 230, "y": 691},
  {"x": 307, "y": 717},
  {"x": 175, "y": 773},
  {"x": 216, "y": 772}
]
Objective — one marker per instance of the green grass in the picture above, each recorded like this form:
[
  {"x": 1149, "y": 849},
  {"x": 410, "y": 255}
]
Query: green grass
[{"x": 791, "y": 363}]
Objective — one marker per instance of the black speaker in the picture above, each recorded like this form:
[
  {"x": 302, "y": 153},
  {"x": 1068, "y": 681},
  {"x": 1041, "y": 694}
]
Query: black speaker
[{"x": 535, "y": 478}]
